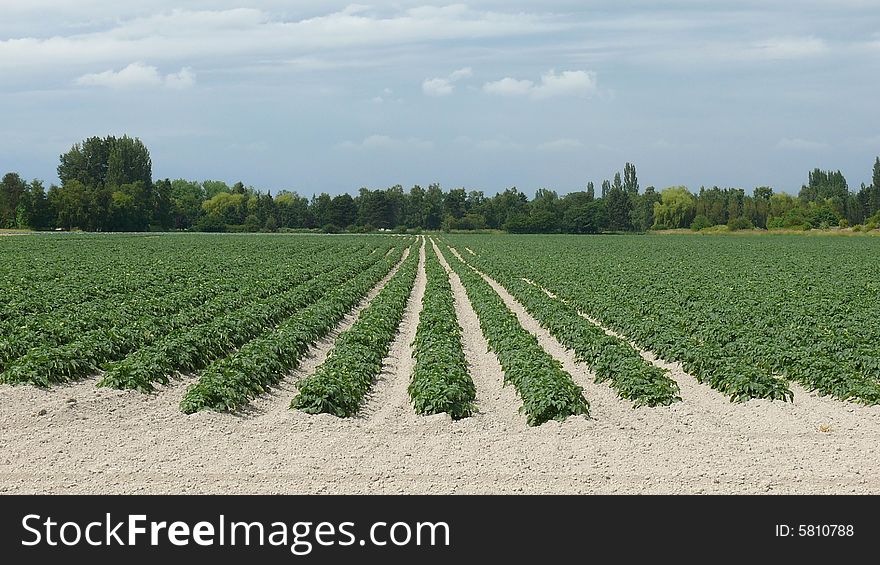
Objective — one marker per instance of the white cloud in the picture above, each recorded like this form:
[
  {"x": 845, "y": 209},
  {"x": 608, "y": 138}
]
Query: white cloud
[
  {"x": 798, "y": 144},
  {"x": 138, "y": 75},
  {"x": 566, "y": 83},
  {"x": 181, "y": 80},
  {"x": 134, "y": 75},
  {"x": 210, "y": 35},
  {"x": 437, "y": 87},
  {"x": 386, "y": 142},
  {"x": 443, "y": 86},
  {"x": 509, "y": 87},
  {"x": 466, "y": 72},
  {"x": 563, "y": 144}
]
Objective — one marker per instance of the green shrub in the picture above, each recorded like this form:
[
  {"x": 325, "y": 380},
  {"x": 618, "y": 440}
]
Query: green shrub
[
  {"x": 701, "y": 222},
  {"x": 741, "y": 223}
]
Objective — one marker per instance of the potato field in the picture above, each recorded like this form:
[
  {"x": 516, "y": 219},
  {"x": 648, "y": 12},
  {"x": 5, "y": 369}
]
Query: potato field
[{"x": 445, "y": 363}]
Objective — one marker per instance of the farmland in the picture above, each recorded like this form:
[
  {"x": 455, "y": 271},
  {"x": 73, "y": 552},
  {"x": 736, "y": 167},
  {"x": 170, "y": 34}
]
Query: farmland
[{"x": 447, "y": 363}]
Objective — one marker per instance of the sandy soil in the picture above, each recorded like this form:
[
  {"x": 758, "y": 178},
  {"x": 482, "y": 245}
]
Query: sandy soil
[{"x": 81, "y": 439}]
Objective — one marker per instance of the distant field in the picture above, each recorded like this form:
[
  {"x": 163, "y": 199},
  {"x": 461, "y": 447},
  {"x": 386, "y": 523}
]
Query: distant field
[{"x": 452, "y": 363}]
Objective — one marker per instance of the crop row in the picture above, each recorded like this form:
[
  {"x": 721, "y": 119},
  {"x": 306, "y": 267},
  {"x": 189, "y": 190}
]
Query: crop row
[
  {"x": 61, "y": 277},
  {"x": 440, "y": 380},
  {"x": 233, "y": 381},
  {"x": 744, "y": 315},
  {"x": 339, "y": 384},
  {"x": 44, "y": 365},
  {"x": 610, "y": 358},
  {"x": 197, "y": 346},
  {"x": 547, "y": 391},
  {"x": 720, "y": 365},
  {"x": 54, "y": 329}
]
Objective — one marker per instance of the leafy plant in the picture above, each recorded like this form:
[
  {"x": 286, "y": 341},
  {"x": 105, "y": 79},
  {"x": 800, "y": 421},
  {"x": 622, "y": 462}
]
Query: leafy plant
[
  {"x": 339, "y": 384},
  {"x": 440, "y": 381},
  {"x": 547, "y": 391}
]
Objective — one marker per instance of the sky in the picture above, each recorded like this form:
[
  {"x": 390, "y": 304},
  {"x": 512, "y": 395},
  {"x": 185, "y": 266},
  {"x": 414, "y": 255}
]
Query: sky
[{"x": 326, "y": 96}]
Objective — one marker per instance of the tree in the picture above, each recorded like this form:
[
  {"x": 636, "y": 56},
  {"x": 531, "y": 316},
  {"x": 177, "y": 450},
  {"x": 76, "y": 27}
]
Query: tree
[
  {"x": 396, "y": 205},
  {"x": 619, "y": 207},
  {"x": 591, "y": 190},
  {"x": 642, "y": 215},
  {"x": 228, "y": 208},
  {"x": 675, "y": 209},
  {"x": 454, "y": 203},
  {"x": 12, "y": 189},
  {"x": 511, "y": 208},
  {"x": 630, "y": 180},
  {"x": 824, "y": 185},
  {"x": 876, "y": 176},
  {"x": 126, "y": 211},
  {"x": 320, "y": 207},
  {"x": 186, "y": 203},
  {"x": 86, "y": 162},
  {"x": 214, "y": 187},
  {"x": 343, "y": 211},
  {"x": 544, "y": 215},
  {"x": 101, "y": 166},
  {"x": 763, "y": 192},
  {"x": 97, "y": 162},
  {"x": 128, "y": 162},
  {"x": 374, "y": 209},
  {"x": 735, "y": 201},
  {"x": 70, "y": 202},
  {"x": 586, "y": 217},
  {"x": 292, "y": 210},
  {"x": 433, "y": 212},
  {"x": 414, "y": 208},
  {"x": 34, "y": 210}
]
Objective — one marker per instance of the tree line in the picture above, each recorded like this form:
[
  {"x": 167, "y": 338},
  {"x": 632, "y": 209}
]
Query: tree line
[{"x": 106, "y": 185}]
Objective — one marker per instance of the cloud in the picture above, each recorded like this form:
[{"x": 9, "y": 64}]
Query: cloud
[
  {"x": 443, "y": 86},
  {"x": 564, "y": 144},
  {"x": 509, "y": 87},
  {"x": 798, "y": 144},
  {"x": 206, "y": 35},
  {"x": 134, "y": 75},
  {"x": 386, "y": 142},
  {"x": 466, "y": 72},
  {"x": 181, "y": 80},
  {"x": 437, "y": 87},
  {"x": 138, "y": 75},
  {"x": 566, "y": 83}
]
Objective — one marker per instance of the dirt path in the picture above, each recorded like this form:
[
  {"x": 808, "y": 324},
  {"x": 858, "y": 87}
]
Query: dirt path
[
  {"x": 497, "y": 404},
  {"x": 388, "y": 400}
]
